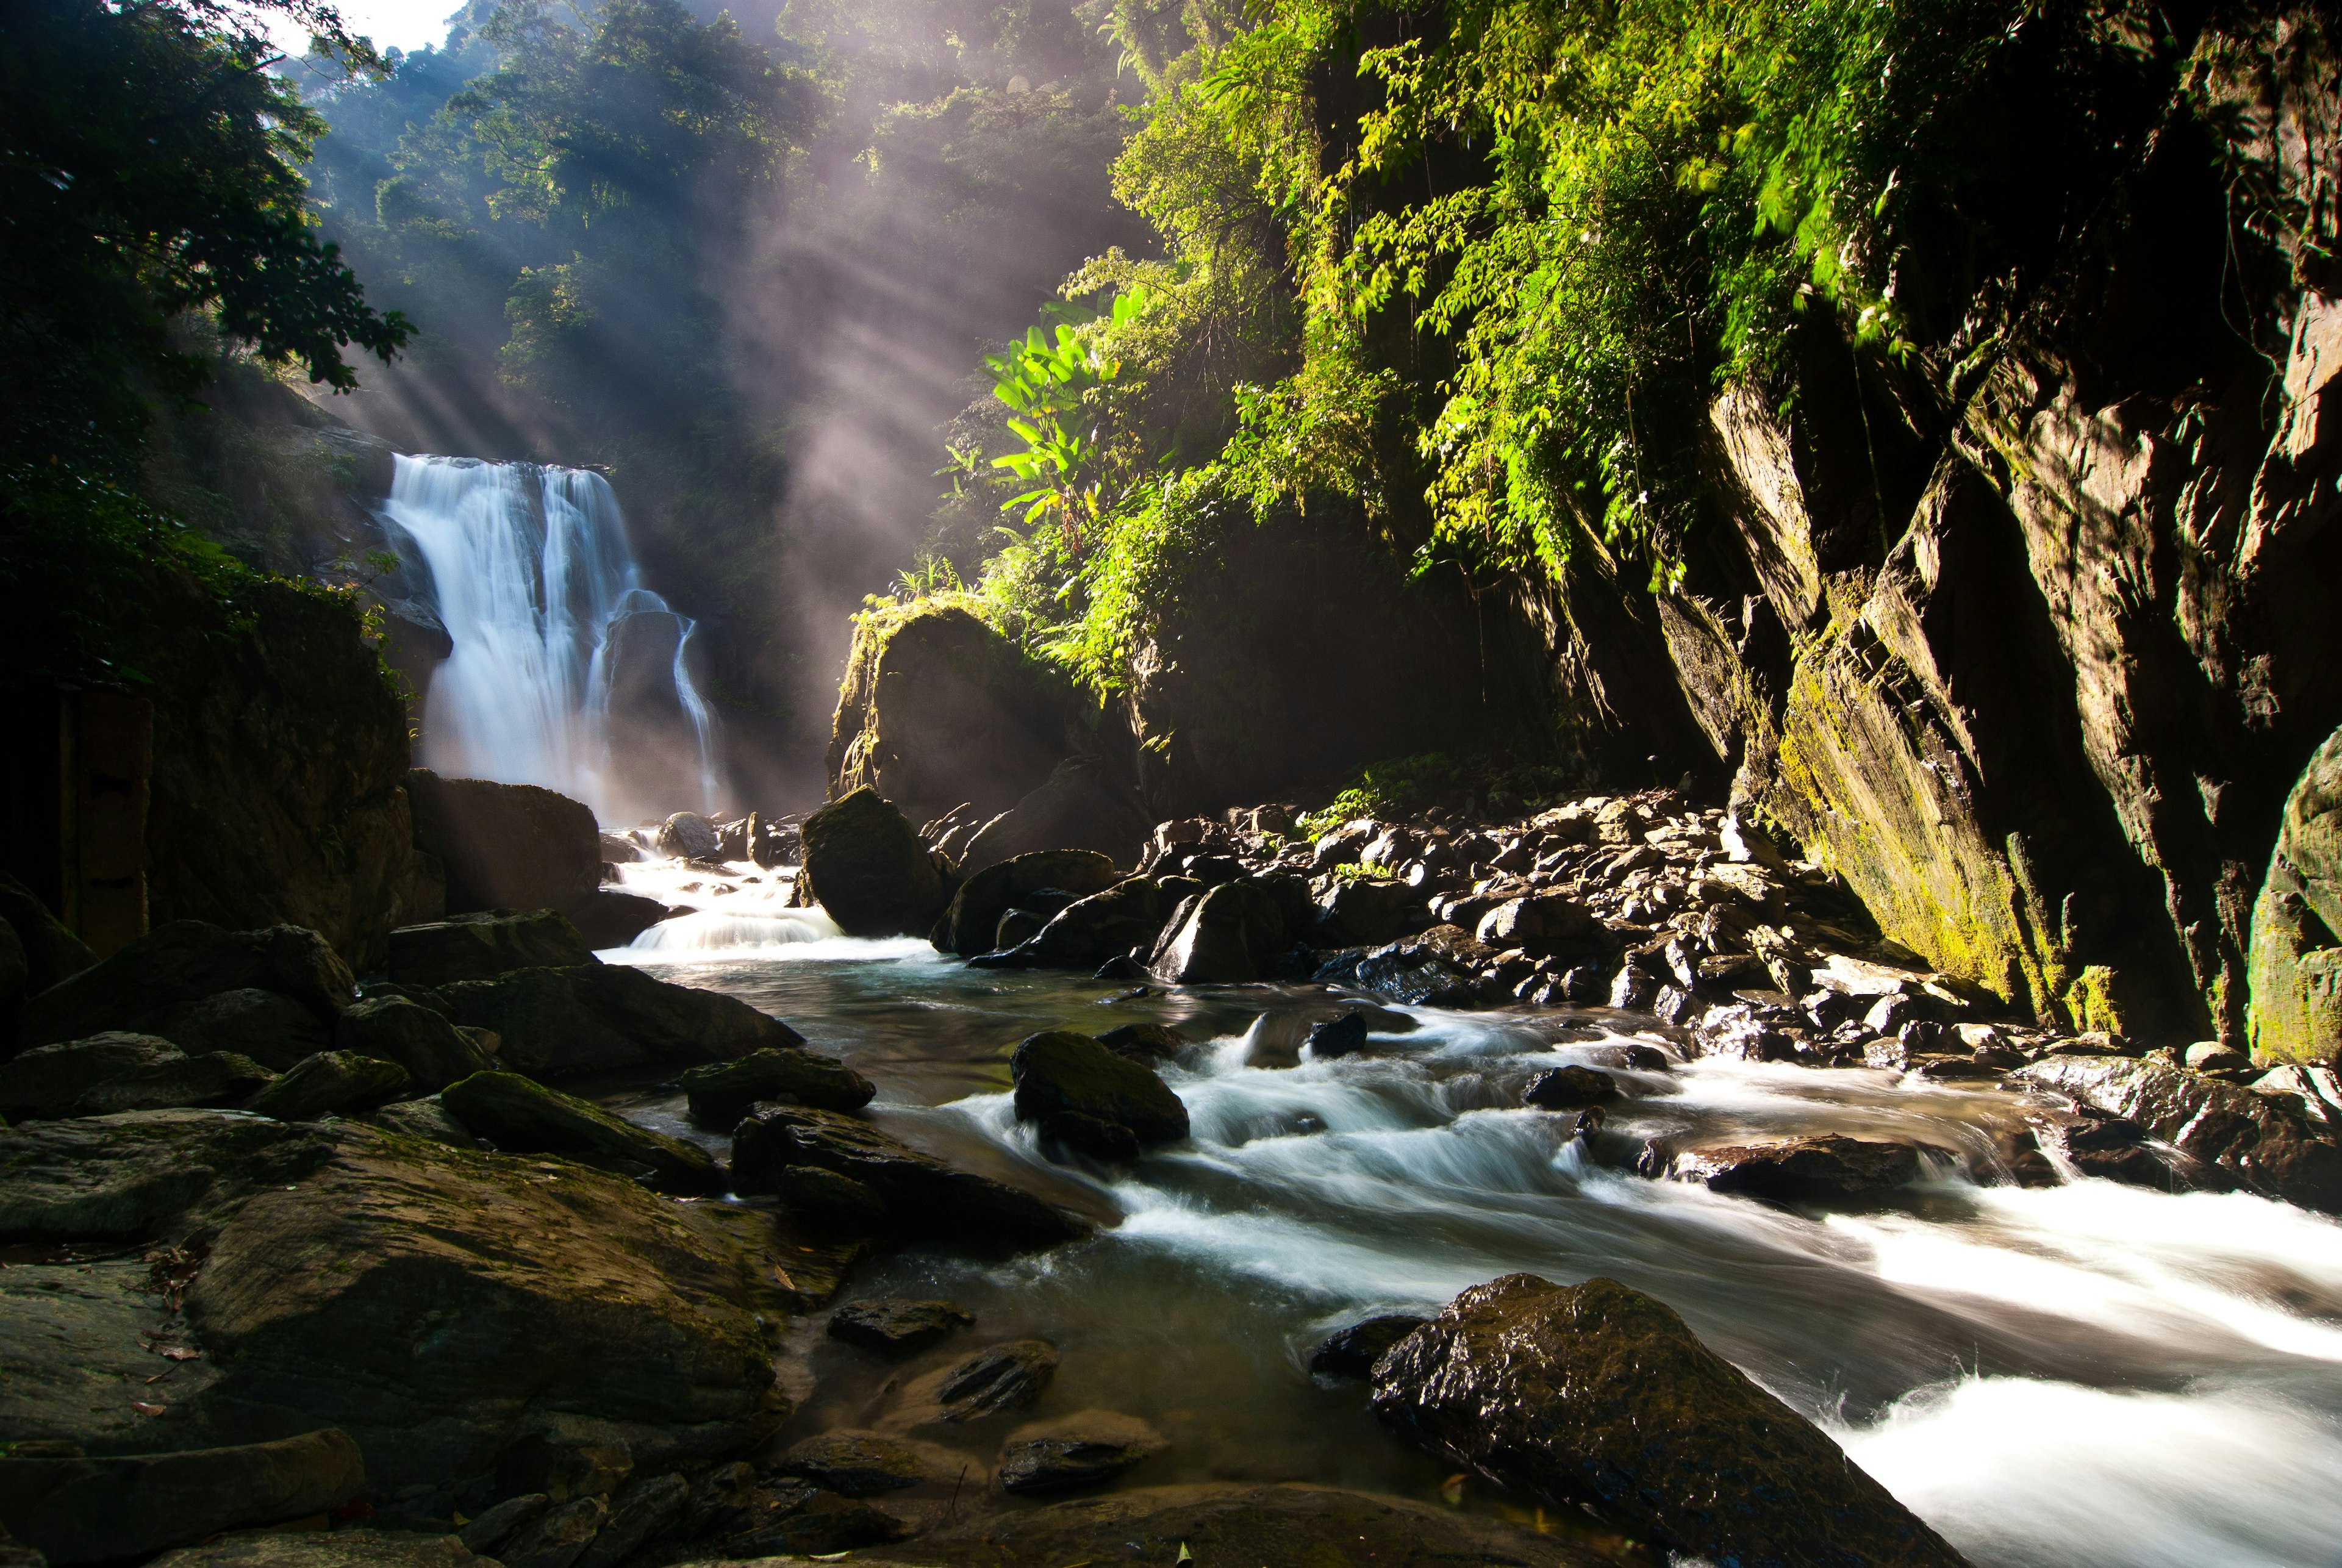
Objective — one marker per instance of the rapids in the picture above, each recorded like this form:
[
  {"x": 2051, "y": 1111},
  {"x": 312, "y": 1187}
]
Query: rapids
[{"x": 2089, "y": 1374}]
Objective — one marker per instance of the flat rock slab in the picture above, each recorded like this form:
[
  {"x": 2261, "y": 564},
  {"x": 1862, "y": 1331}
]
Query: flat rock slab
[
  {"x": 593, "y": 1017},
  {"x": 853, "y": 1463},
  {"x": 324, "y": 1549},
  {"x": 1598, "y": 1395},
  {"x": 1084, "y": 1449},
  {"x": 895, "y": 1325},
  {"x": 1827, "y": 1169},
  {"x": 482, "y": 946},
  {"x": 520, "y": 1116},
  {"x": 78, "y": 1345},
  {"x": 102, "y": 1509}
]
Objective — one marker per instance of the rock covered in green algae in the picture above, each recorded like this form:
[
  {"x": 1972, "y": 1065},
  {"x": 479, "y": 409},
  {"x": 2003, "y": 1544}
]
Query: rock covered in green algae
[
  {"x": 2295, "y": 969},
  {"x": 720, "y": 1094},
  {"x": 330, "y": 1083},
  {"x": 1066, "y": 1083},
  {"x": 433, "y": 1052},
  {"x": 1084, "y": 1449},
  {"x": 1597, "y": 1394},
  {"x": 865, "y": 865},
  {"x": 520, "y": 1116},
  {"x": 483, "y": 945}
]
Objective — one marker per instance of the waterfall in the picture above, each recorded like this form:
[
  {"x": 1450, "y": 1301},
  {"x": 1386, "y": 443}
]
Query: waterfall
[{"x": 565, "y": 672}]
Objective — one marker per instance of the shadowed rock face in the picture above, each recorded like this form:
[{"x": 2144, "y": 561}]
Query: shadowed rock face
[
  {"x": 505, "y": 846},
  {"x": 864, "y": 862},
  {"x": 1596, "y": 1393}
]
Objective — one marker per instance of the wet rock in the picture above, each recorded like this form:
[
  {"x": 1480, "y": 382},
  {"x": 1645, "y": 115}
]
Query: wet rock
[
  {"x": 922, "y": 1194},
  {"x": 617, "y": 849},
  {"x": 1080, "y": 1450},
  {"x": 1352, "y": 1352},
  {"x": 557, "y": 1537},
  {"x": 143, "y": 1173},
  {"x": 1066, "y": 1080},
  {"x": 1436, "y": 969},
  {"x": 519, "y": 1115},
  {"x": 1598, "y": 1395},
  {"x": 1542, "y": 924},
  {"x": 145, "y": 981},
  {"x": 821, "y": 1523},
  {"x": 425, "y": 1118},
  {"x": 867, "y": 867},
  {"x": 896, "y": 1327},
  {"x": 827, "y": 1203},
  {"x": 720, "y": 1094},
  {"x": 968, "y": 927},
  {"x": 273, "y": 1030},
  {"x": 1343, "y": 1036},
  {"x": 505, "y": 846},
  {"x": 644, "y": 1509},
  {"x": 2211, "y": 1056},
  {"x": 1366, "y": 911},
  {"x": 2295, "y": 969},
  {"x": 1223, "y": 937},
  {"x": 482, "y": 947},
  {"x": 1827, "y": 1168},
  {"x": 500, "y": 1524},
  {"x": 1144, "y": 1044},
  {"x": 1568, "y": 1088},
  {"x": 993, "y": 1382},
  {"x": 607, "y": 918},
  {"x": 50, "y": 1080},
  {"x": 324, "y": 1549},
  {"x": 2267, "y": 1143},
  {"x": 687, "y": 836},
  {"x": 330, "y": 1083},
  {"x": 1089, "y": 931},
  {"x": 433, "y": 1052},
  {"x": 853, "y": 1463},
  {"x": 1081, "y": 805},
  {"x": 558, "y": 1022},
  {"x": 106, "y": 1509}
]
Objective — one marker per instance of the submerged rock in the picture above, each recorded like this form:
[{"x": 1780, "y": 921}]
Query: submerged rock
[
  {"x": 103, "y": 1510},
  {"x": 330, "y": 1083},
  {"x": 1352, "y": 1352},
  {"x": 968, "y": 927},
  {"x": 324, "y": 1549},
  {"x": 484, "y": 945},
  {"x": 853, "y": 1463},
  {"x": 865, "y": 865},
  {"x": 1595, "y": 1394},
  {"x": 1080, "y": 1450},
  {"x": 147, "y": 979},
  {"x": 817, "y": 1525},
  {"x": 993, "y": 1382},
  {"x": 896, "y": 1327},
  {"x": 519, "y": 1115},
  {"x": 557, "y": 1023},
  {"x": 2267, "y": 1143},
  {"x": 1078, "y": 1091},
  {"x": 720, "y": 1094}
]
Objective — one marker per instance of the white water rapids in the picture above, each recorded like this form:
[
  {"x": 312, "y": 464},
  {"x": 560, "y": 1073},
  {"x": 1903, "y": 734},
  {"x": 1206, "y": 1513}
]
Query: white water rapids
[
  {"x": 2083, "y": 1376},
  {"x": 561, "y": 653}
]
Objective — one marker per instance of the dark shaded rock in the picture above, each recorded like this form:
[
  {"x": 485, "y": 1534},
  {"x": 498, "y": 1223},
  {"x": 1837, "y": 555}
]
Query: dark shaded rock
[
  {"x": 822, "y": 1523},
  {"x": 1124, "y": 967},
  {"x": 274, "y": 1029},
  {"x": 1081, "y": 805},
  {"x": 1089, "y": 931},
  {"x": 52, "y": 951},
  {"x": 1365, "y": 913},
  {"x": 557, "y": 1537},
  {"x": 433, "y": 1052},
  {"x": 1343, "y": 1036},
  {"x": 143, "y": 1173},
  {"x": 505, "y": 846},
  {"x": 687, "y": 836},
  {"x": 922, "y": 1194},
  {"x": 102, "y": 1509},
  {"x": 608, "y": 918},
  {"x": 969, "y": 926},
  {"x": 827, "y": 1203},
  {"x": 1542, "y": 924},
  {"x": 644, "y": 1509},
  {"x": 1436, "y": 969},
  {"x": 216, "y": 1078},
  {"x": 1081, "y": 1450},
  {"x": 1078, "y": 1132},
  {"x": 364, "y": 1548},
  {"x": 720, "y": 1093},
  {"x": 1595, "y": 1394},
  {"x": 147, "y": 979},
  {"x": 991, "y": 1382},
  {"x": 1825, "y": 1169},
  {"x": 2266, "y": 1142},
  {"x": 1568, "y": 1088},
  {"x": 519, "y": 1115},
  {"x": 1144, "y": 1044},
  {"x": 483, "y": 945},
  {"x": 1223, "y": 937},
  {"x": 854, "y": 1464},
  {"x": 555, "y": 1022},
  {"x": 895, "y": 1325},
  {"x": 867, "y": 867},
  {"x": 425, "y": 1118},
  {"x": 1062, "y": 1075},
  {"x": 50, "y": 1080},
  {"x": 1352, "y": 1352},
  {"x": 330, "y": 1083},
  {"x": 500, "y": 1524}
]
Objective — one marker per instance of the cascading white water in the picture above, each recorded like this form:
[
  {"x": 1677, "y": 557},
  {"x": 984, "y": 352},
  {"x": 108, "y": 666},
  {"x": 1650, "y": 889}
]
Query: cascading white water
[{"x": 531, "y": 574}]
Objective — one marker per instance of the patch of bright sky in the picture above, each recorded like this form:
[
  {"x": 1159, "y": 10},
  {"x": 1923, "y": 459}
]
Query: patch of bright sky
[{"x": 391, "y": 23}]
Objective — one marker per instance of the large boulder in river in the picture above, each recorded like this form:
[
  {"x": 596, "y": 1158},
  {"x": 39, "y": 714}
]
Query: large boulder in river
[
  {"x": 505, "y": 846},
  {"x": 1086, "y": 933},
  {"x": 1081, "y": 1095},
  {"x": 483, "y": 945},
  {"x": 1597, "y": 1395},
  {"x": 2295, "y": 971},
  {"x": 148, "y": 981},
  {"x": 1223, "y": 936},
  {"x": 432, "y": 1051},
  {"x": 968, "y": 927},
  {"x": 867, "y": 866},
  {"x": 1821, "y": 1169},
  {"x": 522, "y": 1116},
  {"x": 1082, "y": 805},
  {"x": 720, "y": 1093},
  {"x": 591, "y": 1017}
]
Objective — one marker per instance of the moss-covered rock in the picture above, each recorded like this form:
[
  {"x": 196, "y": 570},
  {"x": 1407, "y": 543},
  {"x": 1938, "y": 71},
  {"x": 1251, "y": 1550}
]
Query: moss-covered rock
[
  {"x": 1065, "y": 1082},
  {"x": 720, "y": 1094},
  {"x": 432, "y": 1052},
  {"x": 483, "y": 945},
  {"x": 215, "y": 1078},
  {"x": 49, "y": 1080},
  {"x": 330, "y": 1083},
  {"x": 865, "y": 865},
  {"x": 968, "y": 927},
  {"x": 520, "y": 1116},
  {"x": 2295, "y": 1014}
]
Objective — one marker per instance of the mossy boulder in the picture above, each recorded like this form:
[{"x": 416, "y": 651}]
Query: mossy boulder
[
  {"x": 1595, "y": 1396},
  {"x": 865, "y": 865},
  {"x": 49, "y": 1080},
  {"x": 968, "y": 927},
  {"x": 483, "y": 945},
  {"x": 593, "y": 1017},
  {"x": 2295, "y": 970},
  {"x": 520, "y": 1116},
  {"x": 1068, "y": 1085},
  {"x": 432, "y": 1052},
  {"x": 720, "y": 1094},
  {"x": 215, "y": 1078},
  {"x": 148, "y": 981},
  {"x": 330, "y": 1083}
]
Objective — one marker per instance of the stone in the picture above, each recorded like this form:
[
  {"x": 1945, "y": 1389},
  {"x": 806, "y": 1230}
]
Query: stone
[
  {"x": 822, "y": 1524},
  {"x": 147, "y": 979},
  {"x": 896, "y": 1327},
  {"x": 557, "y": 1537},
  {"x": 50, "y": 1080},
  {"x": 273, "y": 1030},
  {"x": 594, "y": 1017},
  {"x": 1364, "y": 912},
  {"x": 505, "y": 846},
  {"x": 215, "y": 1078},
  {"x": 1343, "y": 1036},
  {"x": 330, "y": 1083},
  {"x": 324, "y": 1549},
  {"x": 1063, "y": 1075},
  {"x": 967, "y": 927},
  {"x": 1144, "y": 1044},
  {"x": 2211, "y": 1056},
  {"x": 1089, "y": 931},
  {"x": 993, "y": 1381},
  {"x": 425, "y": 1118},
  {"x": 1082, "y": 804},
  {"x": 720, "y": 1093},
  {"x": 499, "y": 1523},
  {"x": 1074, "y": 1450},
  {"x": 1598, "y": 1395},
  {"x": 2294, "y": 969},
  {"x": 853, "y": 1463},
  {"x": 607, "y": 918},
  {"x": 79, "y": 1343},
  {"x": 104, "y": 1509},
  {"x": 519, "y": 1115},
  {"x": 644, "y": 1509},
  {"x": 1541, "y": 924},
  {"x": 483, "y": 945},
  {"x": 687, "y": 836},
  {"x": 867, "y": 869},
  {"x": 2269, "y": 1143},
  {"x": 1568, "y": 1088},
  {"x": 433, "y": 1052},
  {"x": 1823, "y": 1169},
  {"x": 617, "y": 849},
  {"x": 827, "y": 1204},
  {"x": 1224, "y": 937},
  {"x": 143, "y": 1173},
  {"x": 1352, "y": 1352},
  {"x": 1435, "y": 969},
  {"x": 923, "y": 1196}
]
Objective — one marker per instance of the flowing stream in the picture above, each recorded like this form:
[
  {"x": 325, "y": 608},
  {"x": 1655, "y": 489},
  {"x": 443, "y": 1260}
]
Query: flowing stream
[
  {"x": 2089, "y": 1374},
  {"x": 559, "y": 649}
]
